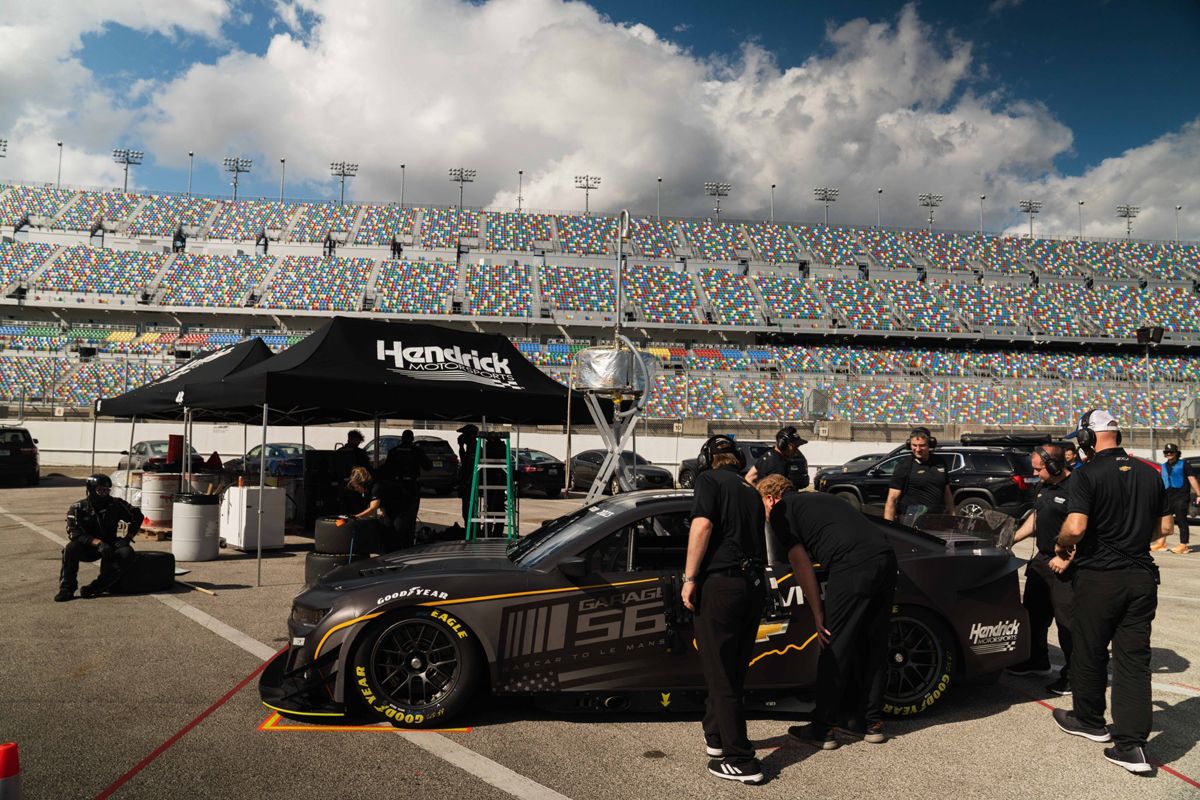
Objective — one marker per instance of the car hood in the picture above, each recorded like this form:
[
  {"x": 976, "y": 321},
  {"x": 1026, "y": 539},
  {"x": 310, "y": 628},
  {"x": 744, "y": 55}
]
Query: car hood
[{"x": 421, "y": 564}]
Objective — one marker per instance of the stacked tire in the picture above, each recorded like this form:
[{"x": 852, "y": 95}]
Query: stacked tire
[
  {"x": 148, "y": 571},
  {"x": 339, "y": 542}
]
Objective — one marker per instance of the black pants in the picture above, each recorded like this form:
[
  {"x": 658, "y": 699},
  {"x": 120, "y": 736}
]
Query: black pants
[
  {"x": 727, "y": 619},
  {"x": 110, "y": 568},
  {"x": 1177, "y": 500},
  {"x": 1114, "y": 606},
  {"x": 852, "y": 668},
  {"x": 1048, "y": 598}
]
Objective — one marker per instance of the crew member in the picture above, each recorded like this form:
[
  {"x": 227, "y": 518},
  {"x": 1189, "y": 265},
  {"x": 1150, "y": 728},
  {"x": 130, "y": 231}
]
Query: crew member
[
  {"x": 723, "y": 585},
  {"x": 386, "y": 503},
  {"x": 403, "y": 467},
  {"x": 1180, "y": 481},
  {"x": 783, "y": 459},
  {"x": 1115, "y": 506},
  {"x": 92, "y": 531},
  {"x": 1047, "y": 577},
  {"x": 345, "y": 459},
  {"x": 920, "y": 484},
  {"x": 853, "y": 624},
  {"x": 1071, "y": 456},
  {"x": 468, "y": 435}
]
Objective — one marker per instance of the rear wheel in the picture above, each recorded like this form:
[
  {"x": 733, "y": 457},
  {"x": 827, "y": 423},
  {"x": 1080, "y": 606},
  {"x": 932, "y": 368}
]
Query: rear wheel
[
  {"x": 920, "y": 662},
  {"x": 972, "y": 507},
  {"x": 851, "y": 498},
  {"x": 34, "y": 478},
  {"x": 553, "y": 492},
  {"x": 686, "y": 479},
  {"x": 417, "y": 668}
]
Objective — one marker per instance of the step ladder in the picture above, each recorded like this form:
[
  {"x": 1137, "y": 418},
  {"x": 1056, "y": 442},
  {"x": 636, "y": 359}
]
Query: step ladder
[{"x": 491, "y": 475}]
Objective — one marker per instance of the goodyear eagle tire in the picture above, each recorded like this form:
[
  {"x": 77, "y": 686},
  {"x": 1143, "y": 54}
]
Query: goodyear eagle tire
[
  {"x": 416, "y": 668},
  {"x": 921, "y": 662},
  {"x": 317, "y": 564}
]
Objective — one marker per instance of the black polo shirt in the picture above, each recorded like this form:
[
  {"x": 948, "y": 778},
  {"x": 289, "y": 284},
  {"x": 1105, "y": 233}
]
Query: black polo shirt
[
  {"x": 834, "y": 534},
  {"x": 390, "y": 496},
  {"x": 737, "y": 515},
  {"x": 921, "y": 483},
  {"x": 1051, "y": 510},
  {"x": 1125, "y": 501},
  {"x": 773, "y": 463}
]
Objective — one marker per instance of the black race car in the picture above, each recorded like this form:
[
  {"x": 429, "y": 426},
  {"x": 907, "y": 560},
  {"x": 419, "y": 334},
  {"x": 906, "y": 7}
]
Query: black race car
[{"x": 585, "y": 614}]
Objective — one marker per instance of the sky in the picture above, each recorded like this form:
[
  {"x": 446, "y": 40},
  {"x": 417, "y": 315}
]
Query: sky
[{"x": 1050, "y": 100}]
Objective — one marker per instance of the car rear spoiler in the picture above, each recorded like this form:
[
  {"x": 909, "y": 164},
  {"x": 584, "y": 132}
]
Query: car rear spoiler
[{"x": 991, "y": 529}]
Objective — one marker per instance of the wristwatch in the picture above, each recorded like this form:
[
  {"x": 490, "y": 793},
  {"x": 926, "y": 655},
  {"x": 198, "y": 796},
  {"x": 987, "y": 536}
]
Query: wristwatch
[{"x": 689, "y": 578}]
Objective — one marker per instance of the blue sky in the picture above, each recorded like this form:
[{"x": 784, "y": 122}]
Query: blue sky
[{"x": 1092, "y": 80}]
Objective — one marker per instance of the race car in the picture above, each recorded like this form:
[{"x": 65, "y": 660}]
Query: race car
[{"x": 585, "y": 613}]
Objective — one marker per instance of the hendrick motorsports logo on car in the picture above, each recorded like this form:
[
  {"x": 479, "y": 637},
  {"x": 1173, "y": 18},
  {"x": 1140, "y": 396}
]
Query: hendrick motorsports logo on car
[
  {"x": 454, "y": 363},
  {"x": 998, "y": 638}
]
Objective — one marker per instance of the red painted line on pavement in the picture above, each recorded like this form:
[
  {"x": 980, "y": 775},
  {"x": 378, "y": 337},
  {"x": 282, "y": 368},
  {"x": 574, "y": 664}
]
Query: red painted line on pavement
[
  {"x": 162, "y": 748},
  {"x": 1152, "y": 762}
]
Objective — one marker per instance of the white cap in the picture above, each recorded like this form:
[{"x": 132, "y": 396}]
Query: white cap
[{"x": 1099, "y": 421}]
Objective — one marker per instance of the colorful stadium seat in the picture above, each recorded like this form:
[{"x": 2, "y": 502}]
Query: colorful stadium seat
[{"x": 416, "y": 287}]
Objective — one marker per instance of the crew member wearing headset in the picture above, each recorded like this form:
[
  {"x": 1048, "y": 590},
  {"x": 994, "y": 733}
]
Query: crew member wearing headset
[
  {"x": 1116, "y": 504},
  {"x": 1071, "y": 456},
  {"x": 1179, "y": 481},
  {"x": 1048, "y": 595},
  {"x": 920, "y": 483},
  {"x": 783, "y": 459},
  {"x": 724, "y": 586}
]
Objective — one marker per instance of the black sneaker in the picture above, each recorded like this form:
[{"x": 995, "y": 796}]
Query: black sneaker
[
  {"x": 64, "y": 595},
  {"x": 91, "y": 590},
  {"x": 713, "y": 751},
  {"x": 1068, "y": 723},
  {"x": 814, "y": 735},
  {"x": 1060, "y": 687},
  {"x": 743, "y": 770},
  {"x": 874, "y": 734},
  {"x": 1029, "y": 668},
  {"x": 1131, "y": 758}
]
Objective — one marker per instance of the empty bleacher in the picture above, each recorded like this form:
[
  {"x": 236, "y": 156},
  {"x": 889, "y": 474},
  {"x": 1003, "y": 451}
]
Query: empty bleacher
[{"x": 415, "y": 287}]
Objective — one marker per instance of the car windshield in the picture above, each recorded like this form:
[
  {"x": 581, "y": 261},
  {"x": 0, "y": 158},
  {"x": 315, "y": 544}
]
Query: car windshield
[
  {"x": 628, "y": 458},
  {"x": 554, "y": 535},
  {"x": 158, "y": 448},
  {"x": 286, "y": 450}
]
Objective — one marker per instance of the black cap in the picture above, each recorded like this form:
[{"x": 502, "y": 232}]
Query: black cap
[{"x": 1171, "y": 448}]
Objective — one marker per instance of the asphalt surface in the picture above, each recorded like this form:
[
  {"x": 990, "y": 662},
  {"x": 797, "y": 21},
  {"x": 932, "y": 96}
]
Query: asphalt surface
[{"x": 92, "y": 690}]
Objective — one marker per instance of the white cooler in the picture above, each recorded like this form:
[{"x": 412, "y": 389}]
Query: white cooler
[{"x": 239, "y": 517}]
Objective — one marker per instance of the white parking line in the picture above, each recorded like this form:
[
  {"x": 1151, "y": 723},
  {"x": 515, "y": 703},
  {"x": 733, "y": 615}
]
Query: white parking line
[{"x": 482, "y": 767}]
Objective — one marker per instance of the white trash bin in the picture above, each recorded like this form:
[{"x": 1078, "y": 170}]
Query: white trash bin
[{"x": 195, "y": 526}]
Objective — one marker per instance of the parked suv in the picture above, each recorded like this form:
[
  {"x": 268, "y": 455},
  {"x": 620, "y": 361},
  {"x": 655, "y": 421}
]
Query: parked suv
[
  {"x": 981, "y": 478},
  {"x": 752, "y": 452},
  {"x": 19, "y": 455},
  {"x": 442, "y": 476}
]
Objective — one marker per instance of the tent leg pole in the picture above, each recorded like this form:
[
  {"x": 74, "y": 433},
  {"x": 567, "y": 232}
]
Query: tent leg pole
[
  {"x": 570, "y": 394},
  {"x": 262, "y": 491},
  {"x": 95, "y": 420},
  {"x": 129, "y": 456},
  {"x": 375, "y": 458}
]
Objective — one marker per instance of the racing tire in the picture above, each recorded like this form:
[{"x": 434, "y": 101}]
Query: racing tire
[
  {"x": 148, "y": 571},
  {"x": 851, "y": 498},
  {"x": 352, "y": 536},
  {"x": 972, "y": 507},
  {"x": 921, "y": 662},
  {"x": 416, "y": 668},
  {"x": 318, "y": 564},
  {"x": 686, "y": 479}
]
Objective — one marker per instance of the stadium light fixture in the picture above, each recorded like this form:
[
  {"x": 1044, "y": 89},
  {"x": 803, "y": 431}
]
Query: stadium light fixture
[
  {"x": 461, "y": 176},
  {"x": 58, "y": 179},
  {"x": 717, "y": 189},
  {"x": 587, "y": 183},
  {"x": 930, "y": 201},
  {"x": 237, "y": 167},
  {"x": 520, "y": 188},
  {"x": 402, "y": 166},
  {"x": 826, "y": 195},
  {"x": 127, "y": 157},
  {"x": 1080, "y": 206},
  {"x": 3, "y": 148},
  {"x": 1178, "y": 208},
  {"x": 191, "y": 163},
  {"x": 658, "y": 211},
  {"x": 1030, "y": 207},
  {"x": 982, "y": 197},
  {"x": 878, "y": 197},
  {"x": 342, "y": 170},
  {"x": 1127, "y": 213},
  {"x": 772, "y": 202}
]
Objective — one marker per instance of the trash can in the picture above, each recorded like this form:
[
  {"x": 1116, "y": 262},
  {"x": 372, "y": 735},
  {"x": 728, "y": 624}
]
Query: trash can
[{"x": 194, "y": 534}]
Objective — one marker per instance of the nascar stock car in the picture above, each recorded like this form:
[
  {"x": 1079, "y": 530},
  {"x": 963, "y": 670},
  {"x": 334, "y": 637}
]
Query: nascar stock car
[{"x": 584, "y": 613}]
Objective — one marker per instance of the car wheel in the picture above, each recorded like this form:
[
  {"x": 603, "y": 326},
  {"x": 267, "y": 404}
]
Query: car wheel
[
  {"x": 851, "y": 498},
  {"x": 614, "y": 486},
  {"x": 34, "y": 478},
  {"x": 973, "y": 507},
  {"x": 686, "y": 479},
  {"x": 553, "y": 493},
  {"x": 417, "y": 669},
  {"x": 920, "y": 662}
]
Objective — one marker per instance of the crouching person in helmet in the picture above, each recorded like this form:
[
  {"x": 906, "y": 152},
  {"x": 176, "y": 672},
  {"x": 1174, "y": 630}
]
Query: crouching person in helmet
[{"x": 92, "y": 530}]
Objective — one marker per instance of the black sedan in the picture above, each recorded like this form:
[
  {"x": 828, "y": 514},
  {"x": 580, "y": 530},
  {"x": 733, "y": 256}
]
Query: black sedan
[
  {"x": 585, "y": 613},
  {"x": 538, "y": 471},
  {"x": 638, "y": 472}
]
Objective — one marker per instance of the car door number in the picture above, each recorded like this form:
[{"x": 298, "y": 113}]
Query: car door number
[{"x": 608, "y": 624}]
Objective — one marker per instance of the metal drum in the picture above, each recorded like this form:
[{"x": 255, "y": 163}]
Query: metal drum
[
  {"x": 158, "y": 495},
  {"x": 194, "y": 528}
]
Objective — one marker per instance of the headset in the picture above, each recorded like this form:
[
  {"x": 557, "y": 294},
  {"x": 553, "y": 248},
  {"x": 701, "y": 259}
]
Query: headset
[
  {"x": 716, "y": 445},
  {"x": 1085, "y": 435},
  {"x": 1054, "y": 466},
  {"x": 921, "y": 432},
  {"x": 788, "y": 435}
]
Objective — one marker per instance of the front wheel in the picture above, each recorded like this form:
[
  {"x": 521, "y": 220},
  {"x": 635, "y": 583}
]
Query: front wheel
[
  {"x": 920, "y": 662},
  {"x": 973, "y": 507},
  {"x": 686, "y": 478},
  {"x": 416, "y": 669}
]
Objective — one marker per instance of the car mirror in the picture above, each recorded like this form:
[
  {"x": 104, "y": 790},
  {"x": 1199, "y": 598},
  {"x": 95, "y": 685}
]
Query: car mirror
[
  {"x": 123, "y": 452},
  {"x": 35, "y": 441},
  {"x": 573, "y": 566}
]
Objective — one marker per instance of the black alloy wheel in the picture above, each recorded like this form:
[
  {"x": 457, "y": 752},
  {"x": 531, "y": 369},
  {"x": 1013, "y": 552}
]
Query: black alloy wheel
[
  {"x": 920, "y": 662},
  {"x": 686, "y": 479},
  {"x": 415, "y": 664}
]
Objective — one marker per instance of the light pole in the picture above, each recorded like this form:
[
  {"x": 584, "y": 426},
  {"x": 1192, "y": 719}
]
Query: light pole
[
  {"x": 4, "y": 154},
  {"x": 982, "y": 197},
  {"x": 587, "y": 183},
  {"x": 1127, "y": 213},
  {"x": 658, "y": 208},
  {"x": 123, "y": 155},
  {"x": 772, "y": 202},
  {"x": 1030, "y": 207},
  {"x": 58, "y": 180},
  {"x": 930, "y": 201},
  {"x": 461, "y": 176},
  {"x": 1178, "y": 208},
  {"x": 282, "y": 173},
  {"x": 191, "y": 163},
  {"x": 827, "y": 195},
  {"x": 1080, "y": 207},
  {"x": 402, "y": 186},
  {"x": 717, "y": 189},
  {"x": 878, "y": 197},
  {"x": 520, "y": 187},
  {"x": 342, "y": 170},
  {"x": 237, "y": 167}
]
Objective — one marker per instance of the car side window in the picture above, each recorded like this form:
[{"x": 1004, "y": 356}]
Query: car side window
[
  {"x": 992, "y": 463},
  {"x": 590, "y": 458},
  {"x": 610, "y": 554},
  {"x": 954, "y": 462},
  {"x": 661, "y": 542},
  {"x": 889, "y": 466}
]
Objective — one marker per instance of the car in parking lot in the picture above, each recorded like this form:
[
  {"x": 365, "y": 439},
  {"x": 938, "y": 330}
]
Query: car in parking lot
[
  {"x": 152, "y": 453},
  {"x": 442, "y": 476},
  {"x": 637, "y": 471},
  {"x": 283, "y": 458},
  {"x": 19, "y": 455},
  {"x": 751, "y": 452},
  {"x": 981, "y": 479},
  {"x": 538, "y": 471}
]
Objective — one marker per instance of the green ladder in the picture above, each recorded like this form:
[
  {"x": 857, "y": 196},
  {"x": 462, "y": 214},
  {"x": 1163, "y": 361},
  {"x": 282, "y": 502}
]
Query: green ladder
[{"x": 481, "y": 520}]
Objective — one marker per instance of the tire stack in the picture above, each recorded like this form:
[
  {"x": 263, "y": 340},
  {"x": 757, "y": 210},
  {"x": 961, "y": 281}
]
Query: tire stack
[{"x": 339, "y": 542}]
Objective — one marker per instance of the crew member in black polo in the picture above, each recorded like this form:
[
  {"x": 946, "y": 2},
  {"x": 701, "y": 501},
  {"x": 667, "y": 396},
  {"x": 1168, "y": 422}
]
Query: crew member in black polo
[
  {"x": 920, "y": 484},
  {"x": 723, "y": 585},
  {"x": 1048, "y": 577},
  {"x": 1116, "y": 505},
  {"x": 1180, "y": 481},
  {"x": 403, "y": 467},
  {"x": 853, "y": 622},
  {"x": 783, "y": 459}
]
